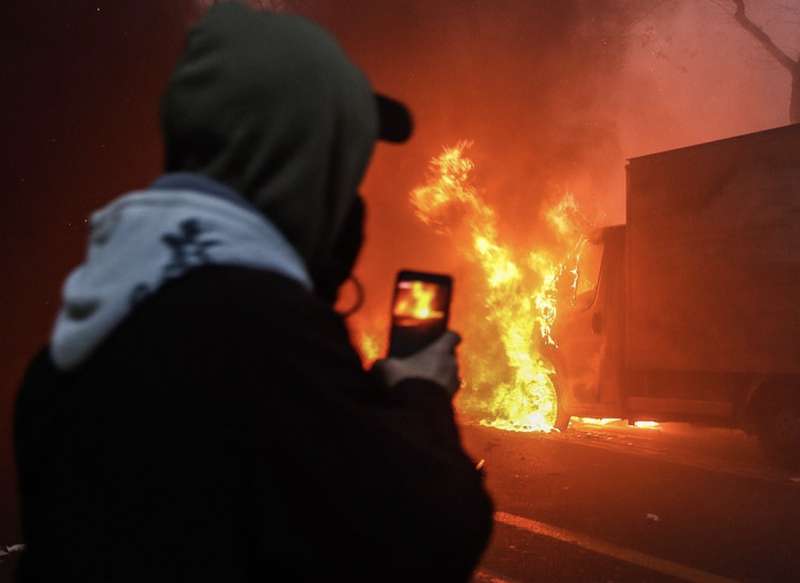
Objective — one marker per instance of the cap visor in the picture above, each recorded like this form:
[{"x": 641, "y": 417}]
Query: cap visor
[{"x": 396, "y": 123}]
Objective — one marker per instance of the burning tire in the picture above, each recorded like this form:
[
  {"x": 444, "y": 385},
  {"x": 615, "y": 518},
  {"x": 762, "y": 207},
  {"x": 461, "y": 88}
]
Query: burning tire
[
  {"x": 562, "y": 420},
  {"x": 779, "y": 430},
  {"x": 562, "y": 415}
]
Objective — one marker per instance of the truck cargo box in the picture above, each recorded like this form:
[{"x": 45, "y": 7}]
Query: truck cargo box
[{"x": 713, "y": 256}]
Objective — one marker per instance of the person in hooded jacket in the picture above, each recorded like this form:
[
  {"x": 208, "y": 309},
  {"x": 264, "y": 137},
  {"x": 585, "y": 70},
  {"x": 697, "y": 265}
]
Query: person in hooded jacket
[{"x": 200, "y": 413}]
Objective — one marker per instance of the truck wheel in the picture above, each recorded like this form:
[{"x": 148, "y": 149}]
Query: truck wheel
[
  {"x": 779, "y": 432},
  {"x": 562, "y": 416},
  {"x": 562, "y": 420}
]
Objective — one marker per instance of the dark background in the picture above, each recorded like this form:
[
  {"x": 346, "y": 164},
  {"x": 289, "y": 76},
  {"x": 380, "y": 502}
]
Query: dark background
[{"x": 79, "y": 126}]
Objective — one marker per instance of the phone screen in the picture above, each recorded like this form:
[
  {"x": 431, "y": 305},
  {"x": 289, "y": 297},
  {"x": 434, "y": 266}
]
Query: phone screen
[{"x": 420, "y": 311}]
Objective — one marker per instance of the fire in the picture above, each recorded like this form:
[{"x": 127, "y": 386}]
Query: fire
[
  {"x": 647, "y": 424},
  {"x": 613, "y": 420},
  {"x": 415, "y": 301},
  {"x": 520, "y": 295},
  {"x": 598, "y": 421}
]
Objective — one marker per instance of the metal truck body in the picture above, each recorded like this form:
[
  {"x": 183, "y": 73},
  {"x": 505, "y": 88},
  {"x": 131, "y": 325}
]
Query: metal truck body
[{"x": 695, "y": 315}]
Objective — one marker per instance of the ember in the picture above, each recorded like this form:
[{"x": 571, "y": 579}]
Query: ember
[
  {"x": 598, "y": 421},
  {"x": 615, "y": 420},
  {"x": 369, "y": 348},
  {"x": 647, "y": 424}
]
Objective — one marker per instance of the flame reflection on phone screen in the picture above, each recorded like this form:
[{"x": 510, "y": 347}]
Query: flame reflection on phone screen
[{"x": 417, "y": 302}]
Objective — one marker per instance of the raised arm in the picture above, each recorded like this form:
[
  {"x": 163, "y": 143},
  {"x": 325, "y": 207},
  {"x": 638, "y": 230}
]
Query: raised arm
[{"x": 371, "y": 482}]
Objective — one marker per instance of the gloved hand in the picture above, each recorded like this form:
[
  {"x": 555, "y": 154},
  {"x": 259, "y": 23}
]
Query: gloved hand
[{"x": 437, "y": 363}]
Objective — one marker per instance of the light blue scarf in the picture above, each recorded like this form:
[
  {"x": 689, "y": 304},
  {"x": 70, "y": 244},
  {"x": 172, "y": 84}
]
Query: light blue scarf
[{"x": 145, "y": 239}]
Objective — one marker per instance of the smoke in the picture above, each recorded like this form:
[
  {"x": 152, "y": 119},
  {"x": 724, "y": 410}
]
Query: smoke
[
  {"x": 554, "y": 97},
  {"x": 698, "y": 76}
]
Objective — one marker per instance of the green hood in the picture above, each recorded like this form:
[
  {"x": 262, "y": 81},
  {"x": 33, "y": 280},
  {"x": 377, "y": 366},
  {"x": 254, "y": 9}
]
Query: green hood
[{"x": 270, "y": 105}]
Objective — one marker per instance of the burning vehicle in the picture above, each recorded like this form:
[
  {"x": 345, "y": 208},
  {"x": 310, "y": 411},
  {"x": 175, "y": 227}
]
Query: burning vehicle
[
  {"x": 695, "y": 315},
  {"x": 508, "y": 380},
  {"x": 688, "y": 312}
]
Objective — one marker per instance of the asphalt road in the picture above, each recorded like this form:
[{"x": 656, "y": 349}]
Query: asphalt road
[{"x": 620, "y": 504}]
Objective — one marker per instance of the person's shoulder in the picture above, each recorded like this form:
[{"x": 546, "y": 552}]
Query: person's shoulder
[
  {"x": 233, "y": 282},
  {"x": 240, "y": 297},
  {"x": 39, "y": 366},
  {"x": 38, "y": 389},
  {"x": 215, "y": 317}
]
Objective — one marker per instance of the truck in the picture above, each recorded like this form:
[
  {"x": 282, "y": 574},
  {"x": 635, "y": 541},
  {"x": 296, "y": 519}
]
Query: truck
[{"x": 694, "y": 311}]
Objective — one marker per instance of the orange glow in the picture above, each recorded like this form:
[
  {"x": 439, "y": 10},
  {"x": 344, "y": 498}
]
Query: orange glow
[
  {"x": 613, "y": 420},
  {"x": 519, "y": 296},
  {"x": 415, "y": 301},
  {"x": 597, "y": 421},
  {"x": 370, "y": 349},
  {"x": 647, "y": 424},
  {"x": 508, "y": 381}
]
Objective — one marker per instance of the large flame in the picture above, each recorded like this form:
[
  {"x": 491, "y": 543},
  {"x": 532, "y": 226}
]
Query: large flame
[{"x": 520, "y": 295}]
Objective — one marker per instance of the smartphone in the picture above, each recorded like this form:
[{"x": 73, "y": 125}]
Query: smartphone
[{"x": 420, "y": 311}]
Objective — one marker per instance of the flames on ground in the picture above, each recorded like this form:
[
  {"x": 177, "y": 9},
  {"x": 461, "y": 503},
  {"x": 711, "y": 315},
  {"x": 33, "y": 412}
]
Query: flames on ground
[{"x": 603, "y": 421}]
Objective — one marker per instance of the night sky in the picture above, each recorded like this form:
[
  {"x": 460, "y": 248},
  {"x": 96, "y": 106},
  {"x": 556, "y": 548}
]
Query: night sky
[{"x": 554, "y": 94}]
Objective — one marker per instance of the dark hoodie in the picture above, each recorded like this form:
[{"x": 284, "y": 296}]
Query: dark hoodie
[
  {"x": 200, "y": 414},
  {"x": 270, "y": 105}
]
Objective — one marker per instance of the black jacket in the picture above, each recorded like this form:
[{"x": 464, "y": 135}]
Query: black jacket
[{"x": 226, "y": 431}]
